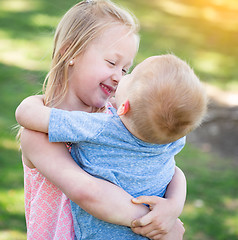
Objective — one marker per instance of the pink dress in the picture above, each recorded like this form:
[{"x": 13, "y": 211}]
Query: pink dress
[{"x": 47, "y": 209}]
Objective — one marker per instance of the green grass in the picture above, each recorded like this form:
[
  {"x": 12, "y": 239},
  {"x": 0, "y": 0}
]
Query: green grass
[
  {"x": 12, "y": 221},
  {"x": 211, "y": 210},
  {"x": 202, "y": 32}
]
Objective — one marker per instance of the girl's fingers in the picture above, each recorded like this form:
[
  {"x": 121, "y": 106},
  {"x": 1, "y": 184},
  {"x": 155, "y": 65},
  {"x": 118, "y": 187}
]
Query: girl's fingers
[
  {"x": 143, "y": 221},
  {"x": 150, "y": 200},
  {"x": 157, "y": 237},
  {"x": 152, "y": 234}
]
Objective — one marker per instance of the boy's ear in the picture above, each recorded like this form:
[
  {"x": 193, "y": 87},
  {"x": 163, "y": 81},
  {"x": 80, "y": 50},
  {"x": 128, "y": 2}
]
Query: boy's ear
[{"x": 124, "y": 108}]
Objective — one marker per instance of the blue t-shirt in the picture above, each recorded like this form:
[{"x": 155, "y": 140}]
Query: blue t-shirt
[{"x": 104, "y": 148}]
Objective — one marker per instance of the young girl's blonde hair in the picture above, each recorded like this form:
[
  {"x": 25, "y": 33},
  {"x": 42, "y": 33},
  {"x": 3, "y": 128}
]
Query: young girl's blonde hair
[
  {"x": 167, "y": 100},
  {"x": 83, "y": 23}
]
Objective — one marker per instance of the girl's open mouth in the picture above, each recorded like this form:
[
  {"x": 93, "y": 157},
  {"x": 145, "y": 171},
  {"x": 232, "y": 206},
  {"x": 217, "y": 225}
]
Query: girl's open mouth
[{"x": 108, "y": 90}]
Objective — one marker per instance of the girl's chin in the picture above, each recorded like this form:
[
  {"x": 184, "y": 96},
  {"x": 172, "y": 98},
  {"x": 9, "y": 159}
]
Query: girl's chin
[{"x": 101, "y": 104}]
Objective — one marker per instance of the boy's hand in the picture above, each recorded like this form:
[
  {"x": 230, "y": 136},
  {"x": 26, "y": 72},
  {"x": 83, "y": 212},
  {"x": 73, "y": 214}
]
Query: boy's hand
[{"x": 159, "y": 221}]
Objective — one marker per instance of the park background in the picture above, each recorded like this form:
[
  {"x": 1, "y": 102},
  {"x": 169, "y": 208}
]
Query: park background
[{"x": 202, "y": 32}]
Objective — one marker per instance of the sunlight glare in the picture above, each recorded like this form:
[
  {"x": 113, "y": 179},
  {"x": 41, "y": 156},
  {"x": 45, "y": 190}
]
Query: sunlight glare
[
  {"x": 231, "y": 223},
  {"x": 176, "y": 8},
  {"x": 9, "y": 144},
  {"x": 27, "y": 56},
  {"x": 230, "y": 4},
  {"x": 227, "y": 98},
  {"x": 17, "y": 5},
  {"x": 13, "y": 200},
  {"x": 210, "y": 62},
  {"x": 12, "y": 234},
  {"x": 42, "y": 20},
  {"x": 225, "y": 18}
]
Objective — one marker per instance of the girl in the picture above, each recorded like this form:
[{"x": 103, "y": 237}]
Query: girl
[{"x": 95, "y": 44}]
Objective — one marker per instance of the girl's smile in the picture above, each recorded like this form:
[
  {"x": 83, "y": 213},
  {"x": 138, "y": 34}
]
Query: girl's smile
[{"x": 108, "y": 90}]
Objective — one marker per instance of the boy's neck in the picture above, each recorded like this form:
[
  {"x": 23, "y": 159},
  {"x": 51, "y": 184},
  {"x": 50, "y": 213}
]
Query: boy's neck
[{"x": 127, "y": 124}]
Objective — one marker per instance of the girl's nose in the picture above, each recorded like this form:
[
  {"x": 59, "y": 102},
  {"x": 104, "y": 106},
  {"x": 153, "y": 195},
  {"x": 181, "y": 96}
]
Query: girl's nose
[{"x": 117, "y": 75}]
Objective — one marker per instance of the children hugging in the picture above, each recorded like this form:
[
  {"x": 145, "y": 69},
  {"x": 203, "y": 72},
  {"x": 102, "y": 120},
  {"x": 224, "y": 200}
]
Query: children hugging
[{"x": 122, "y": 160}]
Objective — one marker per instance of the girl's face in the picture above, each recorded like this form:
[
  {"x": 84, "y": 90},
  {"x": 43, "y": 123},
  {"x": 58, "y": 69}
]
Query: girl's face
[{"x": 94, "y": 76}]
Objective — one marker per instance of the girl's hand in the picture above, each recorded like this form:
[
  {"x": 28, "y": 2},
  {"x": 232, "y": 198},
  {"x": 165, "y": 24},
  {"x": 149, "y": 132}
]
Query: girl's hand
[
  {"x": 176, "y": 233},
  {"x": 159, "y": 221}
]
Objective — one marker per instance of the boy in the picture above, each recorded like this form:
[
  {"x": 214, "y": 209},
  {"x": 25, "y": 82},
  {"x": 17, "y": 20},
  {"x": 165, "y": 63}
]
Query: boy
[{"x": 160, "y": 102}]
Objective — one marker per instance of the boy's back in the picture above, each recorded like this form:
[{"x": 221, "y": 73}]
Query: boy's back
[{"x": 106, "y": 149}]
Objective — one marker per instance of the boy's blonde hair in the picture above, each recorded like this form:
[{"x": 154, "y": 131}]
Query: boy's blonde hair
[
  {"x": 167, "y": 100},
  {"x": 83, "y": 23}
]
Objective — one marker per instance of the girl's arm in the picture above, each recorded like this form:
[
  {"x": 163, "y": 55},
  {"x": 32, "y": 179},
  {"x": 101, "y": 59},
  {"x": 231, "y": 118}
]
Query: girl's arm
[
  {"x": 100, "y": 198},
  {"x": 164, "y": 211},
  {"x": 33, "y": 114}
]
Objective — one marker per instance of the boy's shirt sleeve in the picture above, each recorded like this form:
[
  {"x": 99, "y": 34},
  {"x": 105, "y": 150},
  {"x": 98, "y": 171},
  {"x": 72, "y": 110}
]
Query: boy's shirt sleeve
[
  {"x": 73, "y": 126},
  {"x": 177, "y": 146}
]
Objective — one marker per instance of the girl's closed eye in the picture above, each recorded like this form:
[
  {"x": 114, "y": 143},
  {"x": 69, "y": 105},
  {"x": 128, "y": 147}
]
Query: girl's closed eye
[
  {"x": 111, "y": 62},
  {"x": 124, "y": 71}
]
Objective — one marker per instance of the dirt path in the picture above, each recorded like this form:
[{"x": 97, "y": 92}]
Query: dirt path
[{"x": 219, "y": 132}]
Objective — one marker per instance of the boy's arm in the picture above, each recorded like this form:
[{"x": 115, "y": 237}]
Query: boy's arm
[
  {"x": 33, "y": 114},
  {"x": 100, "y": 198},
  {"x": 74, "y": 126}
]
